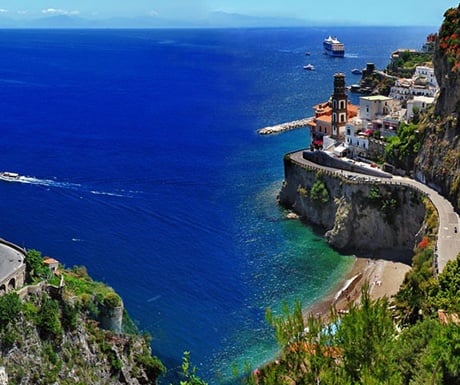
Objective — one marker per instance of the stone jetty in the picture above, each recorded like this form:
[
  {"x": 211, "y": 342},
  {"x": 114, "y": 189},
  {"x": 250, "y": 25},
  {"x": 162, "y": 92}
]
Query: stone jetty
[{"x": 284, "y": 127}]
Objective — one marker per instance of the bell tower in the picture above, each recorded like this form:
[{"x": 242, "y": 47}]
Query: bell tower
[{"x": 339, "y": 105}]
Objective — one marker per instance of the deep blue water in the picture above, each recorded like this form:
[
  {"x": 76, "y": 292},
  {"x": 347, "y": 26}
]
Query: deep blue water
[{"x": 145, "y": 166}]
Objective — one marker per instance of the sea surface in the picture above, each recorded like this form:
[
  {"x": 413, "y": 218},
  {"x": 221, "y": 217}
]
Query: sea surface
[{"x": 141, "y": 161}]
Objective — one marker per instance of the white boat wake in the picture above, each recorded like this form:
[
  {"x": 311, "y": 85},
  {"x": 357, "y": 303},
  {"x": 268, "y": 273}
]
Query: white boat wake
[{"x": 63, "y": 185}]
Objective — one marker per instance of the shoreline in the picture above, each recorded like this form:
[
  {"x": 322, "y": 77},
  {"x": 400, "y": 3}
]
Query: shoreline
[{"x": 384, "y": 278}]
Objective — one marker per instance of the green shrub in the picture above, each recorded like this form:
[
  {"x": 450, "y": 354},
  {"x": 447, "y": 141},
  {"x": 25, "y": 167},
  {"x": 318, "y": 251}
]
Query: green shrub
[
  {"x": 10, "y": 307},
  {"x": 319, "y": 192},
  {"x": 35, "y": 268},
  {"x": 302, "y": 191},
  {"x": 152, "y": 365},
  {"x": 48, "y": 319},
  {"x": 69, "y": 316}
]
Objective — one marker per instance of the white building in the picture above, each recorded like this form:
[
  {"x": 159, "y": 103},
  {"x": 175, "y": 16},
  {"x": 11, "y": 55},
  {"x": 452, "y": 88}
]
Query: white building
[
  {"x": 423, "y": 83},
  {"x": 374, "y": 107},
  {"x": 426, "y": 73},
  {"x": 357, "y": 137},
  {"x": 420, "y": 103}
]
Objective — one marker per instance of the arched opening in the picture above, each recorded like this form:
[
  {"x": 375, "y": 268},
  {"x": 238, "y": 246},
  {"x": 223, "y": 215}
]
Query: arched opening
[
  {"x": 2, "y": 289},
  {"x": 12, "y": 284}
]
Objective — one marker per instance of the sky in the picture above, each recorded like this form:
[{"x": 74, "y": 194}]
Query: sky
[{"x": 355, "y": 12}]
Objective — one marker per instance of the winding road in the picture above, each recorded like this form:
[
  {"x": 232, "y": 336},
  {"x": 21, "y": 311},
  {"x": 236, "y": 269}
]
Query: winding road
[{"x": 448, "y": 242}]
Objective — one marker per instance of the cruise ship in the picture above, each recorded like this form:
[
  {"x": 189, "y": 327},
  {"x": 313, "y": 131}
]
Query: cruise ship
[{"x": 333, "y": 47}]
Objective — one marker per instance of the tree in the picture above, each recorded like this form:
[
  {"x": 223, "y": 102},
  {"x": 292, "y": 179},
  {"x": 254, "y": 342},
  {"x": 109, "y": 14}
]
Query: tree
[
  {"x": 288, "y": 326},
  {"x": 411, "y": 349},
  {"x": 365, "y": 336},
  {"x": 48, "y": 319},
  {"x": 10, "y": 306},
  {"x": 412, "y": 298},
  {"x": 35, "y": 267},
  {"x": 446, "y": 294}
]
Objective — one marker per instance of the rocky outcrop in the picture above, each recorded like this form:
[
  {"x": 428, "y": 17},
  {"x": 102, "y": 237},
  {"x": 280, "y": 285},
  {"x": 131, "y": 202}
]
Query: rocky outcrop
[
  {"x": 368, "y": 219},
  {"x": 51, "y": 337},
  {"x": 438, "y": 162}
]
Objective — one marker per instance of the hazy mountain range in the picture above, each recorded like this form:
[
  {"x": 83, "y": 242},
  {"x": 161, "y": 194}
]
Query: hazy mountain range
[{"x": 216, "y": 19}]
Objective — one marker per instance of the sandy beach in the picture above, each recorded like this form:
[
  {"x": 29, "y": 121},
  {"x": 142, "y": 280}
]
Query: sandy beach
[{"x": 384, "y": 278}]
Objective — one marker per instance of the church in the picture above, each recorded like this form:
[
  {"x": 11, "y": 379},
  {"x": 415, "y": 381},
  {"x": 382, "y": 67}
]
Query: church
[{"x": 331, "y": 117}]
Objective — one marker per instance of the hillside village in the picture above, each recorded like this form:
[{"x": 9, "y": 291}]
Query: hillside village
[
  {"x": 409, "y": 124},
  {"x": 343, "y": 129}
]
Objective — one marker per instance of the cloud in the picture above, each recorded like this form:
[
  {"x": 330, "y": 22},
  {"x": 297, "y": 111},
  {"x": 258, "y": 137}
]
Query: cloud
[
  {"x": 3, "y": 10},
  {"x": 58, "y": 11},
  {"x": 154, "y": 13},
  {"x": 23, "y": 12}
]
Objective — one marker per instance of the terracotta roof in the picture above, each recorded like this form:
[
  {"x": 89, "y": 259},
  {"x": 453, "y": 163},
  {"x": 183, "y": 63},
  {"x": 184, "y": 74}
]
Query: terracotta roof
[
  {"x": 352, "y": 110},
  {"x": 50, "y": 261},
  {"x": 325, "y": 118}
]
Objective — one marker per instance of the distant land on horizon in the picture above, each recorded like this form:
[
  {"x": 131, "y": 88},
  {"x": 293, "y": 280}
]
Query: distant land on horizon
[{"x": 214, "y": 20}]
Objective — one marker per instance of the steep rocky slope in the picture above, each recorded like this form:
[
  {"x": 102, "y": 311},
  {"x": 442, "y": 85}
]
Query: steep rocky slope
[
  {"x": 51, "y": 335},
  {"x": 438, "y": 162},
  {"x": 360, "y": 217}
]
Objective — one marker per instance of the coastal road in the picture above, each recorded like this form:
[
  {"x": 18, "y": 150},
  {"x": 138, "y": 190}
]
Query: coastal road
[
  {"x": 10, "y": 261},
  {"x": 448, "y": 242}
]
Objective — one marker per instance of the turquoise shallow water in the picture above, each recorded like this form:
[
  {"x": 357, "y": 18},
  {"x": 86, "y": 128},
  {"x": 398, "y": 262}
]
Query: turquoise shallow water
[
  {"x": 144, "y": 165},
  {"x": 286, "y": 261}
]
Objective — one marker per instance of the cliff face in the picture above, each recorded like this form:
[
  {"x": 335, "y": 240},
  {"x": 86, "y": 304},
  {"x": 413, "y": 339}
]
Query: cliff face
[
  {"x": 367, "y": 219},
  {"x": 52, "y": 335},
  {"x": 438, "y": 162}
]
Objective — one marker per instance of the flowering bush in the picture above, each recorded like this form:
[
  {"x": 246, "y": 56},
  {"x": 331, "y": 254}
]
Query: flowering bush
[
  {"x": 449, "y": 38},
  {"x": 423, "y": 244}
]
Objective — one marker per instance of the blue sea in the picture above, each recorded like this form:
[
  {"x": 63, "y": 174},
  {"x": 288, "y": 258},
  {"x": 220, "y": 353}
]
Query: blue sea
[{"x": 141, "y": 161}]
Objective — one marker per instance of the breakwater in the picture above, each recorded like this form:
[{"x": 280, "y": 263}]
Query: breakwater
[{"x": 301, "y": 123}]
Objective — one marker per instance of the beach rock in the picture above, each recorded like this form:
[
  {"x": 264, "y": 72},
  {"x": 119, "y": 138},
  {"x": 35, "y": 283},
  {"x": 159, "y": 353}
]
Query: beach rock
[{"x": 292, "y": 216}]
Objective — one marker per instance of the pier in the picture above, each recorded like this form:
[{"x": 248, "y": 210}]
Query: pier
[{"x": 284, "y": 127}]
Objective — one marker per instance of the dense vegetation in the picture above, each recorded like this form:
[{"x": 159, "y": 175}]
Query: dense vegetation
[
  {"x": 449, "y": 38},
  {"x": 414, "y": 339},
  {"x": 51, "y": 334},
  {"x": 402, "y": 149},
  {"x": 372, "y": 344},
  {"x": 404, "y": 63}
]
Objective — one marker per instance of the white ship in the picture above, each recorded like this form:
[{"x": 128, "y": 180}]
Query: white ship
[{"x": 333, "y": 47}]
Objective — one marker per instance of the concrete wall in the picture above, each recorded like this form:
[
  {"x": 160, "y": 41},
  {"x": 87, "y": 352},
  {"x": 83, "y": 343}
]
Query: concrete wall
[
  {"x": 323, "y": 159},
  {"x": 16, "y": 278}
]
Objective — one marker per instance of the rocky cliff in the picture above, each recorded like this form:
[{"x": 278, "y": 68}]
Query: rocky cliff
[
  {"x": 368, "y": 219},
  {"x": 438, "y": 162},
  {"x": 52, "y": 335}
]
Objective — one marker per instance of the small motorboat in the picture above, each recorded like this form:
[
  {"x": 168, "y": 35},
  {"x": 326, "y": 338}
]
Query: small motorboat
[
  {"x": 356, "y": 71},
  {"x": 309, "y": 67},
  {"x": 9, "y": 176}
]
